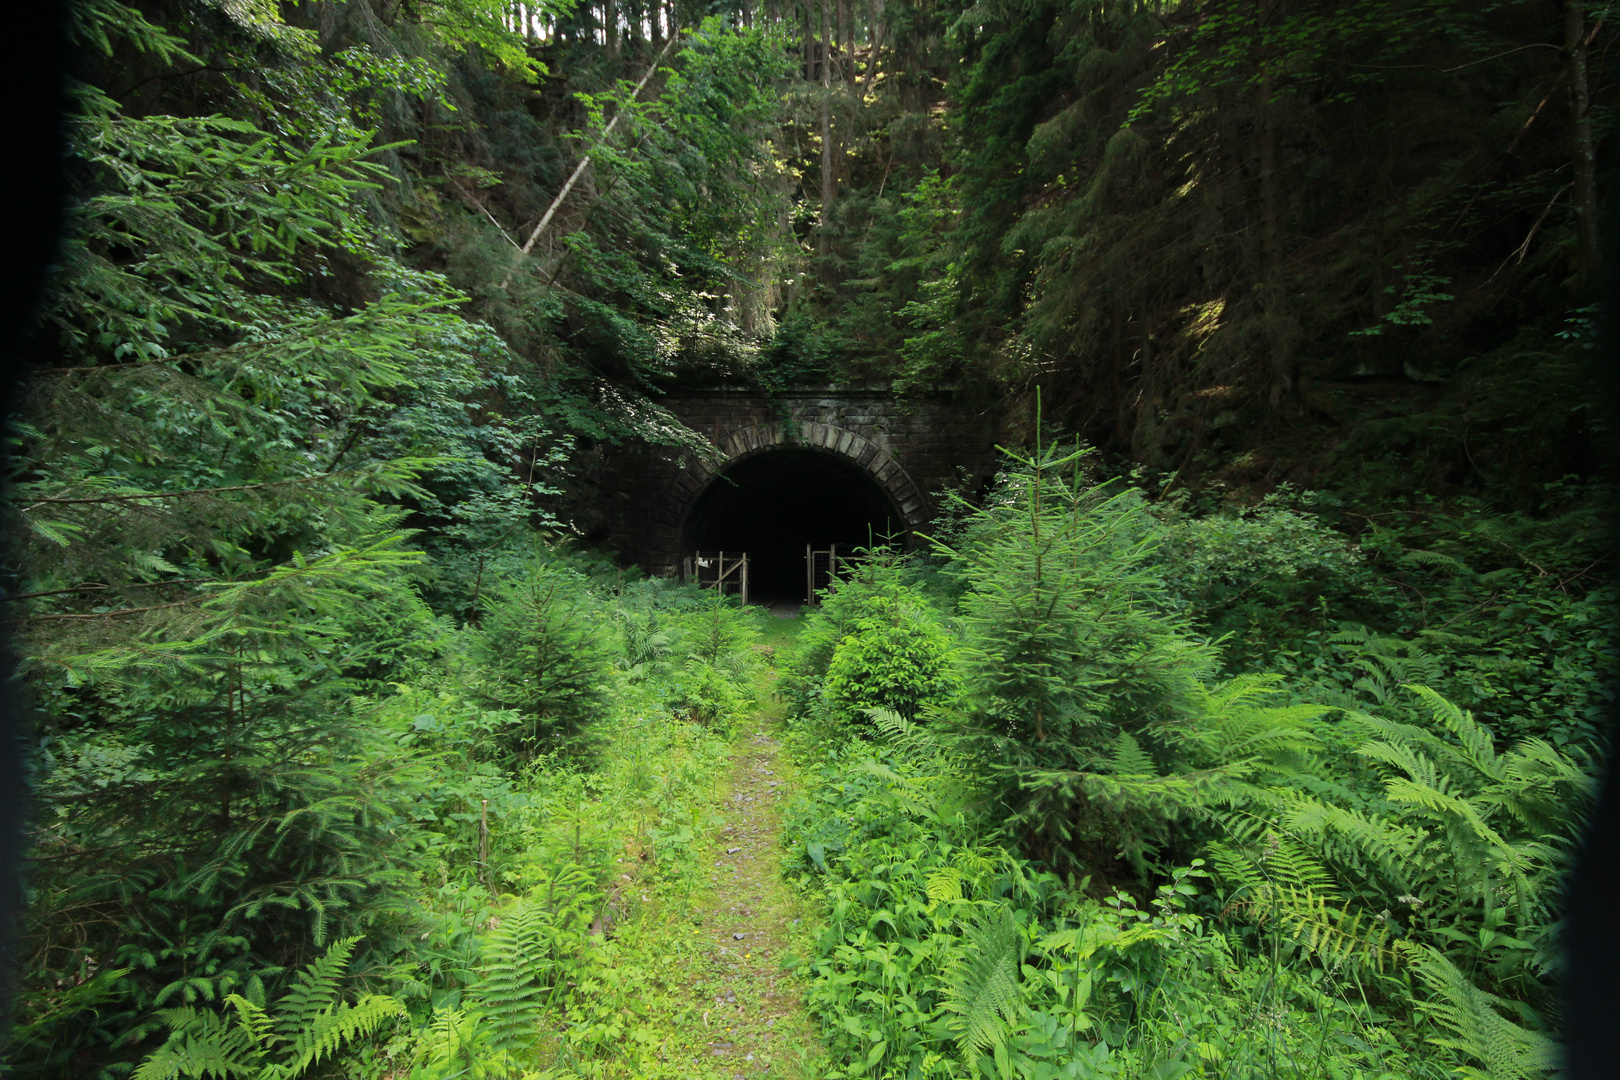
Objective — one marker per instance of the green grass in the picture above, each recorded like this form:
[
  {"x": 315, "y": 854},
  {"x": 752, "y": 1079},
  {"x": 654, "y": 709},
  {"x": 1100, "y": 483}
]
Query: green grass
[
  {"x": 780, "y": 635},
  {"x": 683, "y": 998}
]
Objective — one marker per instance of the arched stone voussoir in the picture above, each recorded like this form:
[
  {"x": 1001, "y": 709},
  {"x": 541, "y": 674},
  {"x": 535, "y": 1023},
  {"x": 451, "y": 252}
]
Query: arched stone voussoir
[{"x": 877, "y": 463}]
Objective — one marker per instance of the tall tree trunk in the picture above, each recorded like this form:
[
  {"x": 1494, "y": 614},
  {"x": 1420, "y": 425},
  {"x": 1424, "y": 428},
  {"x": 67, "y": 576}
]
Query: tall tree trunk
[
  {"x": 1279, "y": 326},
  {"x": 845, "y": 42},
  {"x": 1585, "y": 161},
  {"x": 828, "y": 192},
  {"x": 1145, "y": 439},
  {"x": 875, "y": 44},
  {"x": 1270, "y": 199},
  {"x": 584, "y": 163},
  {"x": 610, "y": 26}
]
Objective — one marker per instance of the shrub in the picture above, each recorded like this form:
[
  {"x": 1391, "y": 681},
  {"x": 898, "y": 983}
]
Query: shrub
[
  {"x": 546, "y": 649},
  {"x": 1070, "y": 646},
  {"x": 874, "y": 597},
  {"x": 714, "y": 685},
  {"x": 902, "y": 662}
]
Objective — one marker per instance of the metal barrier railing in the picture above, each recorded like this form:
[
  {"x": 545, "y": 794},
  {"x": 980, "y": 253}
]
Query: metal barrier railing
[
  {"x": 718, "y": 570},
  {"x": 822, "y": 567}
]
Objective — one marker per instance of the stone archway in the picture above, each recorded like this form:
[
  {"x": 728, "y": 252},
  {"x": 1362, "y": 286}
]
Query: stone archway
[
  {"x": 901, "y": 448},
  {"x": 749, "y": 442}
]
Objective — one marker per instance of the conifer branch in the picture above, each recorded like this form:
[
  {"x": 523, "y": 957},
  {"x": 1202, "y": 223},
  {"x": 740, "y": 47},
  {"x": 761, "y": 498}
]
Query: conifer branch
[
  {"x": 96, "y": 586},
  {"x": 138, "y": 496},
  {"x": 190, "y": 601},
  {"x": 584, "y": 163}
]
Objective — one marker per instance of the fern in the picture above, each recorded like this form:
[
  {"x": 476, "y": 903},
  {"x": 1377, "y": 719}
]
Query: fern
[
  {"x": 311, "y": 1023},
  {"x": 515, "y": 983},
  {"x": 944, "y": 884},
  {"x": 913, "y": 741},
  {"x": 1390, "y": 849},
  {"x": 982, "y": 987},
  {"x": 457, "y": 1045},
  {"x": 1385, "y": 663},
  {"x": 1434, "y": 560},
  {"x": 314, "y": 991},
  {"x": 201, "y": 1044},
  {"x": 1129, "y": 759},
  {"x": 1487, "y": 812},
  {"x": 1503, "y": 1049},
  {"x": 1475, "y": 738},
  {"x": 1281, "y": 884}
]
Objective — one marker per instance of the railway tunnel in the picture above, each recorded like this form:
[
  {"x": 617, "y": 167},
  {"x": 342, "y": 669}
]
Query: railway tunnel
[
  {"x": 773, "y": 504},
  {"x": 807, "y": 465}
]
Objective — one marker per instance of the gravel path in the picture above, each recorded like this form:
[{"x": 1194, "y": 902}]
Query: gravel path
[{"x": 751, "y": 922}]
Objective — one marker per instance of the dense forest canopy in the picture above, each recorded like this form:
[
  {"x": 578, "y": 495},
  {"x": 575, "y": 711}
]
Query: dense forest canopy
[{"x": 1262, "y": 691}]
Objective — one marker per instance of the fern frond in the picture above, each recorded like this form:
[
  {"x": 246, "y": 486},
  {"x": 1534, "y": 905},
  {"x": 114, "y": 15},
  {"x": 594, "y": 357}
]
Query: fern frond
[
  {"x": 201, "y": 1044},
  {"x": 313, "y": 992},
  {"x": 311, "y": 1021},
  {"x": 944, "y": 883},
  {"x": 982, "y": 988},
  {"x": 1434, "y": 560},
  {"x": 1060, "y": 940},
  {"x": 1129, "y": 759},
  {"x": 1478, "y": 1029},
  {"x": 1244, "y": 690},
  {"x": 1336, "y": 934},
  {"x": 1280, "y": 883},
  {"x": 1388, "y": 846},
  {"x": 1475, "y": 737},
  {"x": 1541, "y": 787},
  {"x": 343, "y": 1025},
  {"x": 914, "y": 742},
  {"x": 517, "y": 965},
  {"x": 253, "y": 1020},
  {"x": 1408, "y": 759},
  {"x": 1456, "y": 809}
]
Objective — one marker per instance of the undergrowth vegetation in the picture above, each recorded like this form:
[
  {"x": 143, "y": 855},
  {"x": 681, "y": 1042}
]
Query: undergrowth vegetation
[
  {"x": 1173, "y": 813},
  {"x": 355, "y": 753},
  {"x": 448, "y": 835}
]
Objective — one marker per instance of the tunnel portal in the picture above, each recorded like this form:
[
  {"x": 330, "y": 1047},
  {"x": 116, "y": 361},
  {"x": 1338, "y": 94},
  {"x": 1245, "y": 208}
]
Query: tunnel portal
[
  {"x": 772, "y": 504},
  {"x": 852, "y": 459}
]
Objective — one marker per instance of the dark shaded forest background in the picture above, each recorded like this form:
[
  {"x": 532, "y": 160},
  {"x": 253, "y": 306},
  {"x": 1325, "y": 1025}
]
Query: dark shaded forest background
[{"x": 343, "y": 321}]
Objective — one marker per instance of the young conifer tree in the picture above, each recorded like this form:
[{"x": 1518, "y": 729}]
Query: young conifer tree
[{"x": 204, "y": 564}]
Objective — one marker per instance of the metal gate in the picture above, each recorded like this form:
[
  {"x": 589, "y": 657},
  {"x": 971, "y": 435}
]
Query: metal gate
[
  {"x": 717, "y": 570},
  {"x": 821, "y": 567}
]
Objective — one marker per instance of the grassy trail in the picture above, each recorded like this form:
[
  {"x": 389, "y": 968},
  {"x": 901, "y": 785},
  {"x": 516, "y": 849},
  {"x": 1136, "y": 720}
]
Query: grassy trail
[
  {"x": 751, "y": 924},
  {"x": 729, "y": 1009}
]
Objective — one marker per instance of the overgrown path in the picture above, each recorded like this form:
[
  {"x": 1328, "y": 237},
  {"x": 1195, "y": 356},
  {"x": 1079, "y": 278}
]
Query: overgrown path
[
  {"x": 733, "y": 1007},
  {"x": 752, "y": 1006}
]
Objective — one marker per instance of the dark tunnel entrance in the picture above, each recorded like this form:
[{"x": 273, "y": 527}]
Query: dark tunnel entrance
[{"x": 773, "y": 504}]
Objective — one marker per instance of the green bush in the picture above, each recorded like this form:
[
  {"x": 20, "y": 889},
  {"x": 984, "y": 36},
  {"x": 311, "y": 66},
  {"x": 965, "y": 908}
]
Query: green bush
[
  {"x": 902, "y": 662},
  {"x": 1259, "y": 574},
  {"x": 213, "y": 819},
  {"x": 874, "y": 597},
  {"x": 1072, "y": 650},
  {"x": 945, "y": 955},
  {"x": 310, "y": 1022},
  {"x": 546, "y": 651},
  {"x": 714, "y": 685}
]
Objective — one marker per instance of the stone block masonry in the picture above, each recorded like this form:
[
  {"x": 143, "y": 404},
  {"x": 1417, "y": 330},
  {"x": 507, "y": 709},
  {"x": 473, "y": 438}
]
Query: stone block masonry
[{"x": 911, "y": 447}]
